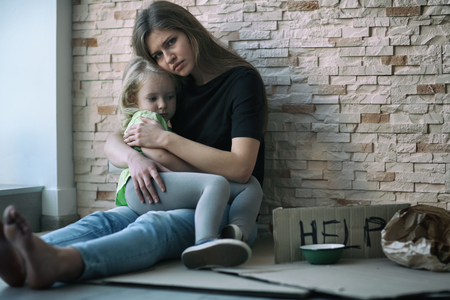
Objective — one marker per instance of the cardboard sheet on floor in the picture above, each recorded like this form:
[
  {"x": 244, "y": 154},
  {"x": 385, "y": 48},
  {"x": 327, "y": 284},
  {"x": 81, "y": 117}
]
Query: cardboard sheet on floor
[
  {"x": 173, "y": 274},
  {"x": 356, "y": 278},
  {"x": 352, "y": 278}
]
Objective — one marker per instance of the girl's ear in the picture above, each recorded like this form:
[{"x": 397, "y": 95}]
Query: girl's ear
[{"x": 132, "y": 99}]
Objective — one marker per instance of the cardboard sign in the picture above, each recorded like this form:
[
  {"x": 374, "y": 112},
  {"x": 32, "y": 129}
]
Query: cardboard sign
[{"x": 352, "y": 226}]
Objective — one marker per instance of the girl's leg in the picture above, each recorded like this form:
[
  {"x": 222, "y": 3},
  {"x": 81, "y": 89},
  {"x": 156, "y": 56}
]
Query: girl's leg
[
  {"x": 207, "y": 193},
  {"x": 245, "y": 200}
]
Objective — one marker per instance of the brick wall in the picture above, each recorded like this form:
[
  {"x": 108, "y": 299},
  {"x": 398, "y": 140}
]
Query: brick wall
[{"x": 359, "y": 95}]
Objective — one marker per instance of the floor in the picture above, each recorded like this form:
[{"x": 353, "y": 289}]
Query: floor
[
  {"x": 128, "y": 292},
  {"x": 104, "y": 290}
]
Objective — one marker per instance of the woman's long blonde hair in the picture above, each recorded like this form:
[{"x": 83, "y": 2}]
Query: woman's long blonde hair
[
  {"x": 211, "y": 57},
  {"x": 136, "y": 72}
]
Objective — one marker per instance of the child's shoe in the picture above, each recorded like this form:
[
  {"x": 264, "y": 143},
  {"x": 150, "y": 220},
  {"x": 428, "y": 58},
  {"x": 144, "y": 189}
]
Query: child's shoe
[
  {"x": 216, "y": 253},
  {"x": 231, "y": 231}
]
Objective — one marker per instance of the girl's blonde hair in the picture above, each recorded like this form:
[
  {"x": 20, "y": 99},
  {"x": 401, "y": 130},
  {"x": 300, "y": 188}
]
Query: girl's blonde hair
[
  {"x": 136, "y": 72},
  {"x": 211, "y": 57}
]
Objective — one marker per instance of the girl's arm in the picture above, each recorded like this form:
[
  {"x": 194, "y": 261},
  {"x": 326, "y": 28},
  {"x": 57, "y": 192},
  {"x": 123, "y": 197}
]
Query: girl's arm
[
  {"x": 142, "y": 169},
  {"x": 235, "y": 165}
]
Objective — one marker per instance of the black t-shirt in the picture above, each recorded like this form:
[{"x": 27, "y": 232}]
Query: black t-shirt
[{"x": 231, "y": 105}]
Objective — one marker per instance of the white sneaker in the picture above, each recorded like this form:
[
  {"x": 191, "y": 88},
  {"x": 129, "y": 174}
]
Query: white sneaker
[
  {"x": 216, "y": 253},
  {"x": 231, "y": 231}
]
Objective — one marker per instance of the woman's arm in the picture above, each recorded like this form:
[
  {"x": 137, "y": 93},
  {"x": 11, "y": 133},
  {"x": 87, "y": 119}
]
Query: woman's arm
[
  {"x": 142, "y": 169},
  {"x": 235, "y": 165},
  {"x": 169, "y": 160},
  {"x": 117, "y": 151}
]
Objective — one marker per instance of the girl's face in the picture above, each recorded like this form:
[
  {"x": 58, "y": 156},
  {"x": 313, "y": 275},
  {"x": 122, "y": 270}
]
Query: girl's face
[
  {"x": 172, "y": 51},
  {"x": 157, "y": 94}
]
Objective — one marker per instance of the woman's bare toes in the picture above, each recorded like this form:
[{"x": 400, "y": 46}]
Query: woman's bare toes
[
  {"x": 40, "y": 259},
  {"x": 12, "y": 269}
]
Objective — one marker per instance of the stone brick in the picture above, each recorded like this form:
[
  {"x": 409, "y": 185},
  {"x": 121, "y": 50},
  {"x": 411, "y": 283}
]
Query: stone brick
[
  {"x": 311, "y": 42},
  {"x": 395, "y": 186},
  {"x": 341, "y": 80},
  {"x": 329, "y": 90},
  {"x": 366, "y": 70},
  {"x": 349, "y": 32},
  {"x": 375, "y": 118},
  {"x": 399, "y": 60},
  {"x": 325, "y": 99},
  {"x": 321, "y": 127},
  {"x": 370, "y": 196},
  {"x": 380, "y": 176},
  {"x": 433, "y": 148},
  {"x": 352, "y": 51},
  {"x": 431, "y": 89},
  {"x": 316, "y": 80},
  {"x": 402, "y": 11},
  {"x": 104, "y": 195},
  {"x": 445, "y": 79},
  {"x": 404, "y": 30},
  {"x": 263, "y": 16},
  {"x": 125, "y": 14},
  {"x": 418, "y": 70},
  {"x": 421, "y": 177},
  {"x": 333, "y": 137},
  {"x": 349, "y": 118},
  {"x": 234, "y": 26},
  {"x": 298, "y": 109},
  {"x": 302, "y": 5},
  {"x": 400, "y": 40},
  {"x": 378, "y": 3},
  {"x": 358, "y": 147},
  {"x": 364, "y": 99},
  {"x": 379, "y": 51},
  {"x": 417, "y": 197},
  {"x": 254, "y": 35},
  {"x": 322, "y": 33},
  {"x": 430, "y": 168},
  {"x": 347, "y": 42},
  {"x": 88, "y": 42}
]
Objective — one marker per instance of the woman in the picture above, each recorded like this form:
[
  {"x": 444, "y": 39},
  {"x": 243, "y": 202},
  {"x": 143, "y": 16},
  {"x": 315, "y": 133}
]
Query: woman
[{"x": 227, "y": 98}]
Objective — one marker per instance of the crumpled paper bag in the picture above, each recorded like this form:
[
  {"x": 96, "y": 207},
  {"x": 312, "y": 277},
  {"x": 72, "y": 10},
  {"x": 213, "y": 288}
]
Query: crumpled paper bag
[{"x": 419, "y": 237}]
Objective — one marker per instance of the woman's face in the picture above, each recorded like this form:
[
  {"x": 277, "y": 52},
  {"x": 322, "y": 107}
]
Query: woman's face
[{"x": 172, "y": 51}]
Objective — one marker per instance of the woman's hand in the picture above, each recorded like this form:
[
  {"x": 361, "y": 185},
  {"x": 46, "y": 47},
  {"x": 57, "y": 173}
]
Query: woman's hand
[
  {"x": 142, "y": 170},
  {"x": 146, "y": 134}
]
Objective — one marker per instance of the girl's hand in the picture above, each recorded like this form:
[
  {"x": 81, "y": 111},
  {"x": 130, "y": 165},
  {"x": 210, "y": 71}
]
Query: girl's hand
[
  {"x": 145, "y": 134},
  {"x": 142, "y": 170}
]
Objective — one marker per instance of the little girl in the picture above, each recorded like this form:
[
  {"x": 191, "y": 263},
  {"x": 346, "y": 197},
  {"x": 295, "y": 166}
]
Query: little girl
[{"x": 150, "y": 92}]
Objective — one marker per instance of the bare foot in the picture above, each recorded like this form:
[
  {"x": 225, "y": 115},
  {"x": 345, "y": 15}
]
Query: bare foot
[
  {"x": 44, "y": 263},
  {"x": 12, "y": 269}
]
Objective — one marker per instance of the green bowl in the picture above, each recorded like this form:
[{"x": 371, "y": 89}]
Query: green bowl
[{"x": 322, "y": 254}]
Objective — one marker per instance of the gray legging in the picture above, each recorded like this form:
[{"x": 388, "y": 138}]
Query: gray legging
[{"x": 208, "y": 194}]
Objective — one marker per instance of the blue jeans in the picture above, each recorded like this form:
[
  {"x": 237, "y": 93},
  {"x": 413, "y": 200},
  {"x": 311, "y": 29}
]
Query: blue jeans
[{"x": 119, "y": 241}]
